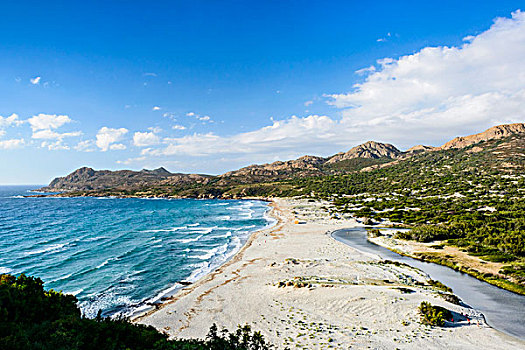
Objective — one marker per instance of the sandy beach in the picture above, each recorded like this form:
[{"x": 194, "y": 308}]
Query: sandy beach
[{"x": 303, "y": 289}]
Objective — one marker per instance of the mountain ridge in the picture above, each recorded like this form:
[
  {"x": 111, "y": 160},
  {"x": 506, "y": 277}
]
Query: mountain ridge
[{"x": 368, "y": 156}]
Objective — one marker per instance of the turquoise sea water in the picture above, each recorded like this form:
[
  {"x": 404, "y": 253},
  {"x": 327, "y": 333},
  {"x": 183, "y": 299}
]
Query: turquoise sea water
[{"x": 120, "y": 255}]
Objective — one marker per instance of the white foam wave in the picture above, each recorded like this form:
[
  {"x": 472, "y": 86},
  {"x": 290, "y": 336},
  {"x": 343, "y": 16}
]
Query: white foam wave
[
  {"x": 105, "y": 262},
  {"x": 75, "y": 292},
  {"x": 188, "y": 240},
  {"x": 4, "y": 270},
  {"x": 167, "y": 229},
  {"x": 50, "y": 248},
  {"x": 226, "y": 235},
  {"x": 193, "y": 225},
  {"x": 61, "y": 278}
]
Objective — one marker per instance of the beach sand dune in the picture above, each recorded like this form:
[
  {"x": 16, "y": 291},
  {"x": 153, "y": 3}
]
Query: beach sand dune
[{"x": 303, "y": 289}]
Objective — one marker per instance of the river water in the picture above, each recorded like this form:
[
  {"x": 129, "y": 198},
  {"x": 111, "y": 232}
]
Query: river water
[{"x": 503, "y": 310}]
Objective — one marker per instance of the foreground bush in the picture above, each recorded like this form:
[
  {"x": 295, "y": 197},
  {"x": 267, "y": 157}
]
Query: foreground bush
[
  {"x": 433, "y": 315},
  {"x": 33, "y": 318}
]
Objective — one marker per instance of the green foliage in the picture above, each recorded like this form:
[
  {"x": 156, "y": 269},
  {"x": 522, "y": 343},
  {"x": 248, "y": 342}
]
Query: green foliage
[
  {"x": 433, "y": 315},
  {"x": 32, "y": 318}
]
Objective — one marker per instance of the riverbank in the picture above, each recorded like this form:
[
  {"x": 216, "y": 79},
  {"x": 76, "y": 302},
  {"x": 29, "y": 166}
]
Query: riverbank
[
  {"x": 303, "y": 289},
  {"x": 451, "y": 257}
]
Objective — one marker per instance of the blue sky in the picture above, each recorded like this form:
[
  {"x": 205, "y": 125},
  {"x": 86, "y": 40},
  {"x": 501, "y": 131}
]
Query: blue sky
[{"x": 208, "y": 86}]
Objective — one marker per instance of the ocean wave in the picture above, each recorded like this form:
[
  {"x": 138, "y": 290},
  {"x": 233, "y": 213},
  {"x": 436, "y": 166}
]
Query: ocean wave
[
  {"x": 188, "y": 240},
  {"x": 61, "y": 278},
  {"x": 167, "y": 229},
  {"x": 4, "y": 270},
  {"x": 75, "y": 292},
  {"x": 226, "y": 235},
  {"x": 211, "y": 253},
  {"x": 105, "y": 262},
  {"x": 50, "y": 248},
  {"x": 194, "y": 224}
]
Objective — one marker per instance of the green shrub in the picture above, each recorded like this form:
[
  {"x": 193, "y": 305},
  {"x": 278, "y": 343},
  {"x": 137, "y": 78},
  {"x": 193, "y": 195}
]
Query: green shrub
[
  {"x": 433, "y": 315},
  {"x": 33, "y": 318}
]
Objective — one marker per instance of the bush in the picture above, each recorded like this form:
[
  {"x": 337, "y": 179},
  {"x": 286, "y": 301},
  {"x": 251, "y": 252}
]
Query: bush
[
  {"x": 32, "y": 318},
  {"x": 433, "y": 315}
]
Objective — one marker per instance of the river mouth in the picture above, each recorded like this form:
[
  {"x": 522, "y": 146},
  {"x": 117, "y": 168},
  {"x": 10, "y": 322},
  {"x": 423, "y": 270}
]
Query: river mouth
[{"x": 503, "y": 310}]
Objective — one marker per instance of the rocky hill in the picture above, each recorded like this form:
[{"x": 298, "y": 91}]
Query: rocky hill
[
  {"x": 365, "y": 157},
  {"x": 494, "y": 133},
  {"x": 368, "y": 150},
  {"x": 88, "y": 179}
]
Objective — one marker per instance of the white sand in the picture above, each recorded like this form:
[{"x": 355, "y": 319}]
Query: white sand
[{"x": 348, "y": 305}]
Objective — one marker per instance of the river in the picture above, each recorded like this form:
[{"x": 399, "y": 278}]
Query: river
[{"x": 503, "y": 310}]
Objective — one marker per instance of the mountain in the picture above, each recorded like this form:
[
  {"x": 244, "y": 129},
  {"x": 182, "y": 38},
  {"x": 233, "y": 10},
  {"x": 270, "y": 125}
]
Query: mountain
[
  {"x": 368, "y": 150},
  {"x": 88, "y": 179},
  {"x": 494, "y": 133},
  {"x": 366, "y": 157}
]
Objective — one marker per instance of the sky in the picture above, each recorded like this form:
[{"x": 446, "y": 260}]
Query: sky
[{"x": 209, "y": 86}]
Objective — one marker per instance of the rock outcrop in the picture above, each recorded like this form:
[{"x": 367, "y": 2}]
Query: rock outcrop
[
  {"x": 496, "y": 132},
  {"x": 370, "y": 150}
]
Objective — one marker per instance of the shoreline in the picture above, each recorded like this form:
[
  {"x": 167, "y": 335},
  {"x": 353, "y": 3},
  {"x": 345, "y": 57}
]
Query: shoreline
[
  {"x": 210, "y": 275},
  {"x": 302, "y": 288}
]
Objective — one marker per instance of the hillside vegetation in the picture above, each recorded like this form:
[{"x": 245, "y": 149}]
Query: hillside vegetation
[{"x": 33, "y": 318}]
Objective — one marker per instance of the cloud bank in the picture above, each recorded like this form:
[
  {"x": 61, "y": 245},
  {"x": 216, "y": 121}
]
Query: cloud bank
[{"x": 430, "y": 96}]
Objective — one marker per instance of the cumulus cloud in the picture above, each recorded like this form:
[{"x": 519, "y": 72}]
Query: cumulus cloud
[
  {"x": 11, "y": 144},
  {"x": 48, "y": 134},
  {"x": 85, "y": 146},
  {"x": 12, "y": 120},
  {"x": 48, "y": 121},
  {"x": 178, "y": 127},
  {"x": 440, "y": 92},
  {"x": 35, "y": 80},
  {"x": 144, "y": 139},
  {"x": 54, "y": 146},
  {"x": 107, "y": 138},
  {"x": 117, "y": 147},
  {"x": 156, "y": 108},
  {"x": 281, "y": 135}
]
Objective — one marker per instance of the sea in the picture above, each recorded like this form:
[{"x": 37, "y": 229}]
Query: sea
[{"x": 121, "y": 255}]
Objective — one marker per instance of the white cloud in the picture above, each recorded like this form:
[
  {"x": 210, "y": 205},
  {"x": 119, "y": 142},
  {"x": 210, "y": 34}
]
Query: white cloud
[
  {"x": 47, "y": 134},
  {"x": 35, "y": 80},
  {"x": 281, "y": 135},
  {"x": 2, "y": 133},
  {"x": 106, "y": 137},
  {"x": 131, "y": 160},
  {"x": 54, "y": 146},
  {"x": 308, "y": 103},
  {"x": 11, "y": 144},
  {"x": 117, "y": 147},
  {"x": 155, "y": 129},
  {"x": 441, "y": 92},
  {"x": 204, "y": 118},
  {"x": 144, "y": 139},
  {"x": 85, "y": 146},
  {"x": 156, "y": 108},
  {"x": 178, "y": 127},
  {"x": 12, "y": 120},
  {"x": 48, "y": 121},
  {"x": 191, "y": 114}
]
